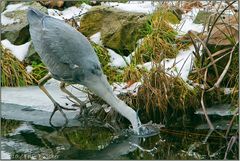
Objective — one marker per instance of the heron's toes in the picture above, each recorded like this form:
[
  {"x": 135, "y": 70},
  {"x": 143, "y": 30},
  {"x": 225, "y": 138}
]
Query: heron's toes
[{"x": 58, "y": 106}]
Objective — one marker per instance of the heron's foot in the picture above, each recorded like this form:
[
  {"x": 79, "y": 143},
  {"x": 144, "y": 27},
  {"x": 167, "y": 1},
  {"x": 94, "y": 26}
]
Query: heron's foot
[
  {"x": 80, "y": 104},
  {"x": 149, "y": 129},
  {"x": 60, "y": 108}
]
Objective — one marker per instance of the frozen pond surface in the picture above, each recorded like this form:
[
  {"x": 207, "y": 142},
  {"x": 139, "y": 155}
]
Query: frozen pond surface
[{"x": 27, "y": 134}]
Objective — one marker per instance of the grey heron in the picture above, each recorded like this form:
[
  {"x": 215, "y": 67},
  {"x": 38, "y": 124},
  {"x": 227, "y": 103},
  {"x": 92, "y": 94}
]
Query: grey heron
[{"x": 70, "y": 58}]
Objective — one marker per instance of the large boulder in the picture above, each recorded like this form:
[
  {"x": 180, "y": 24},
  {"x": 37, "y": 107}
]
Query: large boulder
[
  {"x": 14, "y": 22},
  {"x": 119, "y": 29}
]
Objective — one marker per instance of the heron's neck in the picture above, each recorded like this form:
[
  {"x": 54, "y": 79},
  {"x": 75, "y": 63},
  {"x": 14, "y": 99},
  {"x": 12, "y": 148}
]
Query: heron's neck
[
  {"x": 102, "y": 88},
  {"x": 123, "y": 109}
]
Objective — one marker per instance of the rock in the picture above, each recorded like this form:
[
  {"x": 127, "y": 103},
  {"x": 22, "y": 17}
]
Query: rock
[
  {"x": 3, "y": 5},
  {"x": 119, "y": 29},
  {"x": 52, "y": 3},
  {"x": 177, "y": 12},
  {"x": 188, "y": 6},
  {"x": 202, "y": 17},
  {"x": 17, "y": 32},
  {"x": 76, "y": 3}
]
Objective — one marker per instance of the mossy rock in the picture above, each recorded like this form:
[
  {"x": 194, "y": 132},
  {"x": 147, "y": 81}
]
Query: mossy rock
[
  {"x": 4, "y": 3},
  {"x": 18, "y": 32},
  {"x": 119, "y": 29},
  {"x": 202, "y": 17}
]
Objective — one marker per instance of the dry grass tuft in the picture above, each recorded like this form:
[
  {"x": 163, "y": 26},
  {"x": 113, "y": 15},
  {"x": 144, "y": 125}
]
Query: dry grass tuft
[
  {"x": 162, "y": 92},
  {"x": 13, "y": 72}
]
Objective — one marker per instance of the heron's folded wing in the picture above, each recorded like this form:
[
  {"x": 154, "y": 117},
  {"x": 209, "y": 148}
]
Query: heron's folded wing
[{"x": 66, "y": 43}]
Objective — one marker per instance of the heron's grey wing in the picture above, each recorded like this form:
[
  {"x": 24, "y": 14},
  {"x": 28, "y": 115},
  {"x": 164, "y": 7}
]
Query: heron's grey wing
[
  {"x": 69, "y": 47},
  {"x": 34, "y": 18}
]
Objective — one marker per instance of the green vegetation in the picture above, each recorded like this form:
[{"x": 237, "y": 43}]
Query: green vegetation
[
  {"x": 8, "y": 126},
  {"x": 112, "y": 73},
  {"x": 159, "y": 42},
  {"x": 39, "y": 70},
  {"x": 87, "y": 139}
]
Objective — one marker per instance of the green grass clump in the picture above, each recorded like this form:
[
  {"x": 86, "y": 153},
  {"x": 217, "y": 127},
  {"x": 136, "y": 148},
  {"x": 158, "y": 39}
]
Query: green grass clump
[
  {"x": 13, "y": 72},
  {"x": 159, "y": 42},
  {"x": 39, "y": 70}
]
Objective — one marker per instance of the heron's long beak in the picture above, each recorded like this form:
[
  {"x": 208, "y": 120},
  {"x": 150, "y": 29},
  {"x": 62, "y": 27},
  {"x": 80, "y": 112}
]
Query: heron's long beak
[{"x": 104, "y": 90}]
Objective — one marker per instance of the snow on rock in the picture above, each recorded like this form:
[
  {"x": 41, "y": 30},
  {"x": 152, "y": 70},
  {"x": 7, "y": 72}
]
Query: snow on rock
[
  {"x": 133, "y": 6},
  {"x": 70, "y": 12},
  {"x": 118, "y": 60},
  {"x": 186, "y": 24},
  {"x": 181, "y": 65},
  {"x": 17, "y": 6},
  {"x": 12, "y": 7},
  {"x": 7, "y": 21},
  {"x": 121, "y": 88},
  {"x": 33, "y": 96},
  {"x": 19, "y": 51},
  {"x": 96, "y": 38}
]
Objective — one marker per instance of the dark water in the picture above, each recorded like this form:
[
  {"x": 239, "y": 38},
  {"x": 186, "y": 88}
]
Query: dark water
[{"x": 30, "y": 140}]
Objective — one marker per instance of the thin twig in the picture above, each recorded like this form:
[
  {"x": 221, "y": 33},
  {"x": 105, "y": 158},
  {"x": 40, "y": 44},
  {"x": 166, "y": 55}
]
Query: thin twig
[
  {"x": 216, "y": 60},
  {"x": 208, "y": 52},
  {"x": 231, "y": 122},
  {"x": 203, "y": 106},
  {"x": 217, "y": 84},
  {"x": 230, "y": 144}
]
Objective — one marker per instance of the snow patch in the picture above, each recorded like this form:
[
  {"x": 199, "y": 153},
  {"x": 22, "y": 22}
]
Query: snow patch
[
  {"x": 19, "y": 51},
  {"x": 148, "y": 65},
  {"x": 118, "y": 60},
  {"x": 134, "y": 6},
  {"x": 96, "y": 38},
  {"x": 34, "y": 97},
  {"x": 186, "y": 24},
  {"x": 121, "y": 88},
  {"x": 69, "y": 12},
  {"x": 181, "y": 65}
]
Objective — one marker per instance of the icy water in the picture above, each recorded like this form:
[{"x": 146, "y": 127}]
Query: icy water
[{"x": 33, "y": 138}]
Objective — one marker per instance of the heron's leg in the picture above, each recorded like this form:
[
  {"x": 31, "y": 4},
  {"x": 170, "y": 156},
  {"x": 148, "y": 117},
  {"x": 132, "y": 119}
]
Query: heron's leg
[
  {"x": 63, "y": 88},
  {"x": 56, "y": 105}
]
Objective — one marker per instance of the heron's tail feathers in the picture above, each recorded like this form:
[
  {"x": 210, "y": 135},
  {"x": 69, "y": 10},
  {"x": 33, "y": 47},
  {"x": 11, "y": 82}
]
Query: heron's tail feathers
[{"x": 34, "y": 16}]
